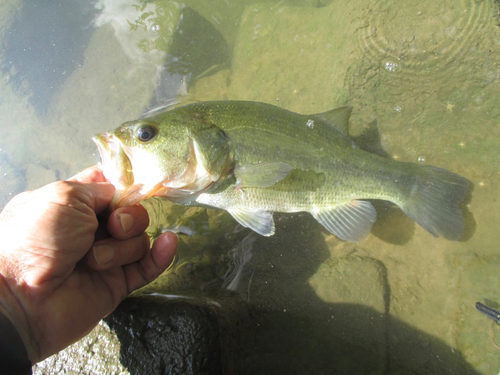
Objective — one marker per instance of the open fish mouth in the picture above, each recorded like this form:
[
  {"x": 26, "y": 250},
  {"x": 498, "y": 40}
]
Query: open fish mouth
[
  {"x": 116, "y": 165},
  {"x": 105, "y": 151},
  {"x": 117, "y": 168}
]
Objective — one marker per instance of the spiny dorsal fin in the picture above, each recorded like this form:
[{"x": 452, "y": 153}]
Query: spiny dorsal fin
[
  {"x": 337, "y": 118},
  {"x": 369, "y": 140}
]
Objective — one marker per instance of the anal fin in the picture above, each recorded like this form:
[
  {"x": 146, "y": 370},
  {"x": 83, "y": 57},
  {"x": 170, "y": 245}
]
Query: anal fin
[{"x": 349, "y": 222}]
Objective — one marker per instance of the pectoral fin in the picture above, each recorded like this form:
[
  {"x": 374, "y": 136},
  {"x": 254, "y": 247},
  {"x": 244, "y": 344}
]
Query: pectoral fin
[
  {"x": 349, "y": 222},
  {"x": 259, "y": 221},
  {"x": 261, "y": 175}
]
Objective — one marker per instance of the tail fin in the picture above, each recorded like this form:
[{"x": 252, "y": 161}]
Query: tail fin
[{"x": 434, "y": 202}]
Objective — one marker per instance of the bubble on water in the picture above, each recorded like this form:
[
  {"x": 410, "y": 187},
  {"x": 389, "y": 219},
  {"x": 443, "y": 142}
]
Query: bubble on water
[
  {"x": 310, "y": 123},
  {"x": 421, "y": 159},
  {"x": 391, "y": 66}
]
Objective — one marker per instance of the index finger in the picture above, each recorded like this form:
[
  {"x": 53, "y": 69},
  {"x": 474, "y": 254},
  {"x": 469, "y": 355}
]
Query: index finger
[
  {"x": 94, "y": 195},
  {"x": 91, "y": 174}
]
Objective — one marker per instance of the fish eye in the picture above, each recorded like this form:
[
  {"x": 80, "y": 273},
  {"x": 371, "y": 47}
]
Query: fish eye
[{"x": 145, "y": 133}]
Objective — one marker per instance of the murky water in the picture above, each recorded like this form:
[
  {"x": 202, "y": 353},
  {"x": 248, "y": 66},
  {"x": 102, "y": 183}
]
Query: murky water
[{"x": 428, "y": 72}]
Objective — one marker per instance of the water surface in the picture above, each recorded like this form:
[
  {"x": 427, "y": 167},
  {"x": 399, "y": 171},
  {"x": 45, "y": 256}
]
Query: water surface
[{"x": 428, "y": 73}]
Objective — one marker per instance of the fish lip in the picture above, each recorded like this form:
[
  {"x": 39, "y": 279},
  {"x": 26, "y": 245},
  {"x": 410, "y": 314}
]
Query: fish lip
[
  {"x": 102, "y": 142},
  {"x": 109, "y": 148},
  {"x": 116, "y": 166}
]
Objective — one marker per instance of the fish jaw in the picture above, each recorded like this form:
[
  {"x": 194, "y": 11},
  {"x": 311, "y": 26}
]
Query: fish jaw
[
  {"x": 115, "y": 163},
  {"x": 117, "y": 169}
]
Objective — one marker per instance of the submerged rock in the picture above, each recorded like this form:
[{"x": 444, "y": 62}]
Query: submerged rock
[{"x": 160, "y": 335}]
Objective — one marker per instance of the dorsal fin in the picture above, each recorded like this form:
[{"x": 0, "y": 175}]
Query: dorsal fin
[
  {"x": 169, "y": 104},
  {"x": 337, "y": 118},
  {"x": 369, "y": 140}
]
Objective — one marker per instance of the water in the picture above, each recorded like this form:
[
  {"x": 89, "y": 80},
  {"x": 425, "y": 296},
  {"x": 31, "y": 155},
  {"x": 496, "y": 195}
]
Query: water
[{"x": 427, "y": 71}]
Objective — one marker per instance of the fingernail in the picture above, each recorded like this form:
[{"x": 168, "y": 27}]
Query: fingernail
[
  {"x": 104, "y": 253},
  {"x": 127, "y": 222},
  {"x": 176, "y": 235}
]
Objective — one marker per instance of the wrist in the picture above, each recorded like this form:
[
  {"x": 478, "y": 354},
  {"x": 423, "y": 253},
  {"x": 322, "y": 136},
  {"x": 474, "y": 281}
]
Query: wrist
[{"x": 12, "y": 309}]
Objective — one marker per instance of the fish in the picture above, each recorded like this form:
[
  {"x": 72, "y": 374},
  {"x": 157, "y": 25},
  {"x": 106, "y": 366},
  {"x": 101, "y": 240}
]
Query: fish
[
  {"x": 253, "y": 159},
  {"x": 490, "y": 312}
]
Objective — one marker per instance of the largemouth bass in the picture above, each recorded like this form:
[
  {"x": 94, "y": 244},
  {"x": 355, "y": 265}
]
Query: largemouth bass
[{"x": 252, "y": 159}]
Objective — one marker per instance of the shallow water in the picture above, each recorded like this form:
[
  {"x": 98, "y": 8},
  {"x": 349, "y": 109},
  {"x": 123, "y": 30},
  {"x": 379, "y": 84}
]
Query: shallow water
[{"x": 427, "y": 71}]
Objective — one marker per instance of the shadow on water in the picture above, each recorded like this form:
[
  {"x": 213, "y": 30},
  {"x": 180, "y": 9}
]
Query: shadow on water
[
  {"x": 197, "y": 50},
  {"x": 272, "y": 321}
]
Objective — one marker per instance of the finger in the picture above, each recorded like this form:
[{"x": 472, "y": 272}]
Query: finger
[
  {"x": 111, "y": 253},
  {"x": 99, "y": 195},
  {"x": 126, "y": 222},
  {"x": 91, "y": 174},
  {"x": 154, "y": 262},
  {"x": 78, "y": 196}
]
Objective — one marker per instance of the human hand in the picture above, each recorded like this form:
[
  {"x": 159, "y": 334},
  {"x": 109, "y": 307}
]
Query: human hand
[{"x": 62, "y": 268}]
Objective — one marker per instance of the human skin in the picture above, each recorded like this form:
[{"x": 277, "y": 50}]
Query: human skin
[{"x": 65, "y": 263}]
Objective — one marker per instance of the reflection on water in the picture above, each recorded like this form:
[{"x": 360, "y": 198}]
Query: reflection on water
[
  {"x": 44, "y": 45},
  {"x": 428, "y": 73}
]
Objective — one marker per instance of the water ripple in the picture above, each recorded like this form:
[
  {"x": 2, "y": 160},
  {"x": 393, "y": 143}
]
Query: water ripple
[{"x": 436, "y": 36}]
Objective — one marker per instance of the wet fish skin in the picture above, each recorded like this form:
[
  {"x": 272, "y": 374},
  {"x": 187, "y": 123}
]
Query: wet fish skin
[{"x": 252, "y": 159}]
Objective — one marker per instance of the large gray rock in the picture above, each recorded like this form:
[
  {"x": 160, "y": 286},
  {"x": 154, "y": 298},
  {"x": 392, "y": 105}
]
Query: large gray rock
[
  {"x": 96, "y": 353},
  {"x": 167, "y": 336}
]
